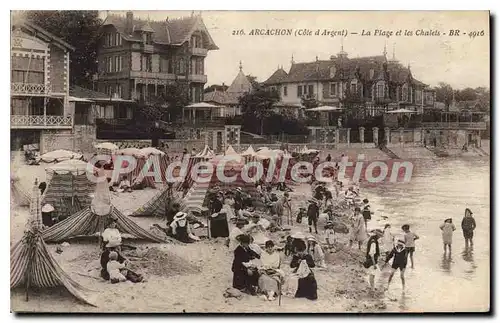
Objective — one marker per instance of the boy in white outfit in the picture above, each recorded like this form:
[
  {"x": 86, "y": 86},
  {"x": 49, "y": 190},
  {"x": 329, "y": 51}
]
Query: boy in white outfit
[{"x": 114, "y": 267}]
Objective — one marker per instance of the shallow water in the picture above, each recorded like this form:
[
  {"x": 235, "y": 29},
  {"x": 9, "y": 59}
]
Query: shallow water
[{"x": 440, "y": 189}]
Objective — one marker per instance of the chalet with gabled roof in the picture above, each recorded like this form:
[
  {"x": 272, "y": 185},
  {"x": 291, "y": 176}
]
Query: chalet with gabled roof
[{"x": 139, "y": 58}]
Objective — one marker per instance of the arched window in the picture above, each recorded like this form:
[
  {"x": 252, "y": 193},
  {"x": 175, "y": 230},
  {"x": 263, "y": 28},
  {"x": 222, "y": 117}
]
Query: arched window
[{"x": 333, "y": 71}]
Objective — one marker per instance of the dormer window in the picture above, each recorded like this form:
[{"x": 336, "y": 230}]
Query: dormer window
[
  {"x": 380, "y": 90},
  {"x": 372, "y": 73},
  {"x": 354, "y": 85},
  {"x": 333, "y": 71}
]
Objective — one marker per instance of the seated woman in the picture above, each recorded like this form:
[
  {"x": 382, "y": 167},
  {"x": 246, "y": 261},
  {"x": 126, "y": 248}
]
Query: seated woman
[
  {"x": 302, "y": 283},
  {"x": 269, "y": 274},
  {"x": 244, "y": 272},
  {"x": 111, "y": 237},
  {"x": 181, "y": 229}
]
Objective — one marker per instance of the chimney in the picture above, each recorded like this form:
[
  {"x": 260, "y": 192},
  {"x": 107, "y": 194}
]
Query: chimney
[{"x": 129, "y": 25}]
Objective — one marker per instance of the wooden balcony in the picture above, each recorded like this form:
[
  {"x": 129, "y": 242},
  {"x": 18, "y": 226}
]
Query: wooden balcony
[
  {"x": 29, "y": 89},
  {"x": 199, "y": 51},
  {"x": 198, "y": 78},
  {"x": 455, "y": 125},
  {"x": 146, "y": 48},
  {"x": 40, "y": 122},
  {"x": 152, "y": 75}
]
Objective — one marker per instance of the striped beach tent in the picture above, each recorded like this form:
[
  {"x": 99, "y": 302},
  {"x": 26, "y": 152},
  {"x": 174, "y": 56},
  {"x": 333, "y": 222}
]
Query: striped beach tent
[
  {"x": 205, "y": 155},
  {"x": 159, "y": 203},
  {"x": 31, "y": 264},
  {"x": 137, "y": 174},
  {"x": 159, "y": 161},
  {"x": 93, "y": 220},
  {"x": 69, "y": 187}
]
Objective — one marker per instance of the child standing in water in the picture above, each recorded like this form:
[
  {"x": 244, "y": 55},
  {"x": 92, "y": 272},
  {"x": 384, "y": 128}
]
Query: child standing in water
[
  {"x": 447, "y": 229},
  {"x": 410, "y": 238}
]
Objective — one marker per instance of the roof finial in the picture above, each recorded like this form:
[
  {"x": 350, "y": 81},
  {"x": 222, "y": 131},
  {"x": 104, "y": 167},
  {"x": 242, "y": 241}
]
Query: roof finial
[
  {"x": 342, "y": 44},
  {"x": 385, "y": 49},
  {"x": 394, "y": 51},
  {"x": 293, "y": 62},
  {"x": 241, "y": 67}
]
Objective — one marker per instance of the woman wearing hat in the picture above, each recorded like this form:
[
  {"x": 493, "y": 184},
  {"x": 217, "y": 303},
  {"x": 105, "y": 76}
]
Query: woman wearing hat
[
  {"x": 269, "y": 276},
  {"x": 181, "y": 229},
  {"x": 244, "y": 275},
  {"x": 399, "y": 254},
  {"x": 447, "y": 229},
  {"x": 468, "y": 226}
]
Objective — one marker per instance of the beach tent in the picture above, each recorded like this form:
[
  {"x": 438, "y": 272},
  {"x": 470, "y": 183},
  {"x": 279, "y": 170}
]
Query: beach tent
[
  {"x": 158, "y": 162},
  {"x": 158, "y": 205},
  {"x": 31, "y": 264},
  {"x": 203, "y": 156},
  {"x": 138, "y": 172},
  {"x": 69, "y": 186},
  {"x": 92, "y": 220},
  {"x": 59, "y": 155}
]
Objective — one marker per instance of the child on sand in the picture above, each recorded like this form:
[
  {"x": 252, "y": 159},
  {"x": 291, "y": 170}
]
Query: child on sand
[
  {"x": 114, "y": 268},
  {"x": 330, "y": 236},
  {"x": 410, "y": 238}
]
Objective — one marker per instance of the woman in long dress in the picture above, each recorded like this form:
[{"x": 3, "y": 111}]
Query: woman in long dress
[
  {"x": 358, "y": 228},
  {"x": 269, "y": 276},
  {"x": 447, "y": 229},
  {"x": 302, "y": 264},
  {"x": 244, "y": 275}
]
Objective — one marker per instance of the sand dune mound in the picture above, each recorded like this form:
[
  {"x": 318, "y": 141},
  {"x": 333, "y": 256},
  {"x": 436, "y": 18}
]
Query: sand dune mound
[{"x": 153, "y": 261}]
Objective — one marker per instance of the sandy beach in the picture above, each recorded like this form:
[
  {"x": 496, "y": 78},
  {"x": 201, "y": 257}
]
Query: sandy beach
[{"x": 193, "y": 277}]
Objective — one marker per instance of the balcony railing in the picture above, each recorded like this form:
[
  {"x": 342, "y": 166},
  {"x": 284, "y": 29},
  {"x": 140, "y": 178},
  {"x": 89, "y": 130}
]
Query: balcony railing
[
  {"x": 455, "y": 125},
  {"x": 152, "y": 75},
  {"x": 147, "y": 48},
  {"x": 199, "y": 51},
  {"x": 198, "y": 78},
  {"x": 29, "y": 89},
  {"x": 40, "y": 122}
]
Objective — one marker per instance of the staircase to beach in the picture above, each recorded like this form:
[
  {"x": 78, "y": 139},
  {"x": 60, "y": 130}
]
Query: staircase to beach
[{"x": 389, "y": 152}]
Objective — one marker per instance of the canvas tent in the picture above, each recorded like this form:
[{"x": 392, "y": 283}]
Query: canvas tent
[
  {"x": 137, "y": 174},
  {"x": 18, "y": 196},
  {"x": 157, "y": 205},
  {"x": 59, "y": 155},
  {"x": 69, "y": 187},
  {"x": 205, "y": 155},
  {"x": 158, "y": 160},
  {"x": 92, "y": 220},
  {"x": 31, "y": 264}
]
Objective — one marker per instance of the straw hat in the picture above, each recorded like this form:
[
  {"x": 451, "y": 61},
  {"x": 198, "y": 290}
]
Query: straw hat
[
  {"x": 180, "y": 216},
  {"x": 238, "y": 189},
  {"x": 47, "y": 208},
  {"x": 311, "y": 238}
]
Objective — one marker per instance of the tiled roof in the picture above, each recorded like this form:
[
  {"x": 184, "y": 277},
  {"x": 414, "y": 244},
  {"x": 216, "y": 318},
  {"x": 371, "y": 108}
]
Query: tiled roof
[
  {"x": 224, "y": 98},
  {"x": 342, "y": 67},
  {"x": 278, "y": 77},
  {"x": 171, "y": 32},
  {"x": 240, "y": 84}
]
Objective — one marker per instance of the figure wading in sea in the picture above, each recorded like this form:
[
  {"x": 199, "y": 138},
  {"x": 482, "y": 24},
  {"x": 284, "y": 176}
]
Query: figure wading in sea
[
  {"x": 447, "y": 229},
  {"x": 468, "y": 227}
]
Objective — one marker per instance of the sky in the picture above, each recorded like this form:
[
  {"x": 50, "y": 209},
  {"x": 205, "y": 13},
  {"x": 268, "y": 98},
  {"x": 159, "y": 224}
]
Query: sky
[{"x": 462, "y": 61}]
